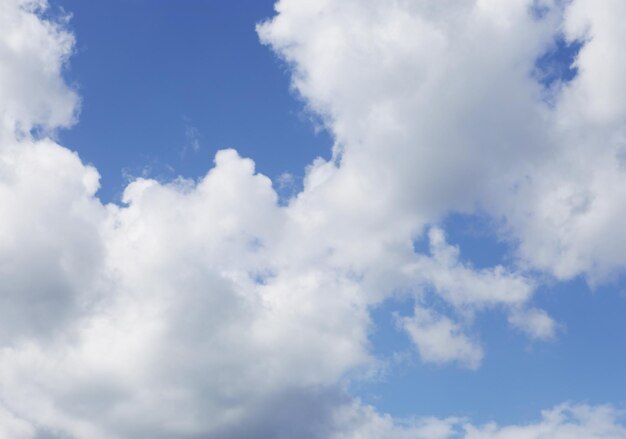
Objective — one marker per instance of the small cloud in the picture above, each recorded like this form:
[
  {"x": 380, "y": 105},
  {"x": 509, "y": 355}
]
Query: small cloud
[
  {"x": 286, "y": 186},
  {"x": 440, "y": 340},
  {"x": 285, "y": 180},
  {"x": 192, "y": 137},
  {"x": 536, "y": 323}
]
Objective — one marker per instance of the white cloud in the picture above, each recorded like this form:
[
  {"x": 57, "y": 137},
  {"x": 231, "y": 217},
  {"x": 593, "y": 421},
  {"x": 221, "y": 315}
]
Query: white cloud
[
  {"x": 436, "y": 106},
  {"x": 32, "y": 55},
  {"x": 461, "y": 285},
  {"x": 207, "y": 309},
  {"x": 597, "y": 95},
  {"x": 440, "y": 340},
  {"x": 562, "y": 422},
  {"x": 192, "y": 137},
  {"x": 534, "y": 322},
  {"x": 50, "y": 249},
  {"x": 565, "y": 421},
  {"x": 13, "y": 427},
  {"x": 358, "y": 421}
]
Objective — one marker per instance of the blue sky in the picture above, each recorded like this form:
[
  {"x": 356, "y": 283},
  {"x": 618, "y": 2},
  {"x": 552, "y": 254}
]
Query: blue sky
[
  {"x": 521, "y": 377},
  {"x": 438, "y": 245},
  {"x": 148, "y": 75}
]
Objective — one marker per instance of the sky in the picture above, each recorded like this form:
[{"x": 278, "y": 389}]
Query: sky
[{"x": 312, "y": 219}]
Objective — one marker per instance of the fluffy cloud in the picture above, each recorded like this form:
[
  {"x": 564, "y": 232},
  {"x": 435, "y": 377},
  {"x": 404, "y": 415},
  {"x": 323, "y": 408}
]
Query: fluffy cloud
[
  {"x": 565, "y": 421},
  {"x": 440, "y": 340},
  {"x": 49, "y": 246},
  {"x": 50, "y": 249},
  {"x": 32, "y": 55},
  {"x": 436, "y": 109},
  {"x": 569, "y": 206},
  {"x": 562, "y": 422},
  {"x": 206, "y": 309}
]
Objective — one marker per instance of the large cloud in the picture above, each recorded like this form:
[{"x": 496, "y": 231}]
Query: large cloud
[
  {"x": 436, "y": 107},
  {"x": 206, "y": 309}
]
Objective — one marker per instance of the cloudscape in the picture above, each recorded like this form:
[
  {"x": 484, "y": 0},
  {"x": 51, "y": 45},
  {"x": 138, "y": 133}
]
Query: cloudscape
[{"x": 312, "y": 219}]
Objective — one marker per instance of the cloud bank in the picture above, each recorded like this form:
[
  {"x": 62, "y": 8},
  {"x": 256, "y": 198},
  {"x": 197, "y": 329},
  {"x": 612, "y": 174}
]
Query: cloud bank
[{"x": 207, "y": 309}]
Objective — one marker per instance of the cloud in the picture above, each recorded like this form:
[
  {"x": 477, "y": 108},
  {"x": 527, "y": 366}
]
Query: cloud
[
  {"x": 440, "y": 340},
  {"x": 210, "y": 309},
  {"x": 13, "y": 427},
  {"x": 561, "y": 422},
  {"x": 32, "y": 56},
  {"x": 465, "y": 290},
  {"x": 535, "y": 322},
  {"x": 439, "y": 103},
  {"x": 461, "y": 285},
  {"x": 192, "y": 137},
  {"x": 49, "y": 246}
]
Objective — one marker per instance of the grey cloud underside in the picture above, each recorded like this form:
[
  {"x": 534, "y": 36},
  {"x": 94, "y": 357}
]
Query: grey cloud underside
[{"x": 207, "y": 309}]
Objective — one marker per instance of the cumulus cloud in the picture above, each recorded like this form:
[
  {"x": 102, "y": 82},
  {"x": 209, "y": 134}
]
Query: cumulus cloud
[
  {"x": 461, "y": 285},
  {"x": 440, "y": 100},
  {"x": 210, "y": 309},
  {"x": 465, "y": 290},
  {"x": 49, "y": 238}
]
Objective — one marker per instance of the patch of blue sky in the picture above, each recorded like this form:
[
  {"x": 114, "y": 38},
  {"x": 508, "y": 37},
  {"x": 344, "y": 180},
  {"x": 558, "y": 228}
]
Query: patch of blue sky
[
  {"x": 478, "y": 240},
  {"x": 539, "y": 9},
  {"x": 518, "y": 377},
  {"x": 150, "y": 76},
  {"x": 558, "y": 65}
]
